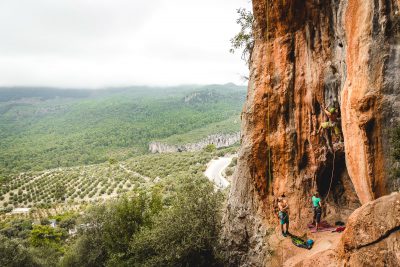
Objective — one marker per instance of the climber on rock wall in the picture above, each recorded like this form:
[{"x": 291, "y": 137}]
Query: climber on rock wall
[
  {"x": 332, "y": 122},
  {"x": 283, "y": 215},
  {"x": 332, "y": 112}
]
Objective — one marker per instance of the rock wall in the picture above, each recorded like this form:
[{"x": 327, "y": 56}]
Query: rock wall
[
  {"x": 371, "y": 238},
  {"x": 309, "y": 54},
  {"x": 373, "y": 234},
  {"x": 219, "y": 140},
  {"x": 370, "y": 96}
]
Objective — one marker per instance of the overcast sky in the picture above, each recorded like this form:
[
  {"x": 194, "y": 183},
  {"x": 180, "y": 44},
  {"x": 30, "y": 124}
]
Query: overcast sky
[{"x": 100, "y": 43}]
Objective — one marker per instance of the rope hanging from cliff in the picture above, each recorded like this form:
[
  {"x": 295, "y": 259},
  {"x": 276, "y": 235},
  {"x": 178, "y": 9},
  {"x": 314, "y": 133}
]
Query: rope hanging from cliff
[{"x": 333, "y": 170}]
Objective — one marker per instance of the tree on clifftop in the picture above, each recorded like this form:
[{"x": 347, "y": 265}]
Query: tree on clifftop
[{"x": 244, "y": 40}]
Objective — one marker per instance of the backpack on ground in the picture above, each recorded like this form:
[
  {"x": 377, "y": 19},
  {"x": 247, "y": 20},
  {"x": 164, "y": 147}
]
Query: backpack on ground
[{"x": 298, "y": 242}]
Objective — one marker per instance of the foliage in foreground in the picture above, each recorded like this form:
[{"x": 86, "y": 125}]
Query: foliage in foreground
[
  {"x": 22, "y": 245},
  {"x": 184, "y": 235},
  {"x": 141, "y": 232}
]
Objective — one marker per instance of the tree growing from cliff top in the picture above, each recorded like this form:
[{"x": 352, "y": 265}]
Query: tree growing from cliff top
[{"x": 244, "y": 40}]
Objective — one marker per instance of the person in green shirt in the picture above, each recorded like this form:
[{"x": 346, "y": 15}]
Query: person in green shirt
[{"x": 316, "y": 201}]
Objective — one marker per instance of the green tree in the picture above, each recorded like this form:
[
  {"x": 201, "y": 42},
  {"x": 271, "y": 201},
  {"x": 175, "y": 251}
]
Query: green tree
[
  {"x": 17, "y": 228},
  {"x": 46, "y": 236},
  {"x": 44, "y": 256},
  {"x": 112, "y": 161},
  {"x": 244, "y": 40},
  {"x": 87, "y": 250},
  {"x": 186, "y": 234},
  {"x": 108, "y": 230},
  {"x": 210, "y": 148},
  {"x": 60, "y": 191},
  {"x": 14, "y": 254}
]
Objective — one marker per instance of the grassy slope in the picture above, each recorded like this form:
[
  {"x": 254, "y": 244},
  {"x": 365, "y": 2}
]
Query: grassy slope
[{"x": 42, "y": 131}]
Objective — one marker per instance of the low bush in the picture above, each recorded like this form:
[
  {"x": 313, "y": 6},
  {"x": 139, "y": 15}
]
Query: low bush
[{"x": 229, "y": 171}]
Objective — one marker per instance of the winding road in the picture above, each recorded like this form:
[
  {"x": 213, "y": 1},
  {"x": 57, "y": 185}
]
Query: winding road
[{"x": 214, "y": 171}]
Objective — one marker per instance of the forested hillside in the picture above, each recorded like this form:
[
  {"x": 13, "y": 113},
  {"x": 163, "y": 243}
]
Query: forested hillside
[{"x": 42, "y": 128}]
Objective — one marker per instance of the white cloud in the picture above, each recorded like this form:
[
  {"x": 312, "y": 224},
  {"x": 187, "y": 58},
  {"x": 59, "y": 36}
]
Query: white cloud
[{"x": 96, "y": 43}]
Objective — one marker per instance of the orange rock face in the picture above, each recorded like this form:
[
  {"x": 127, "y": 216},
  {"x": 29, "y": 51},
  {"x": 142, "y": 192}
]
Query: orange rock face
[
  {"x": 309, "y": 54},
  {"x": 372, "y": 66},
  {"x": 373, "y": 234}
]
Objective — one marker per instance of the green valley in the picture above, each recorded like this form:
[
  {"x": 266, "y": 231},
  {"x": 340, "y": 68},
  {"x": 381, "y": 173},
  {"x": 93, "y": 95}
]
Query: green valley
[
  {"x": 44, "y": 128},
  {"x": 81, "y": 189}
]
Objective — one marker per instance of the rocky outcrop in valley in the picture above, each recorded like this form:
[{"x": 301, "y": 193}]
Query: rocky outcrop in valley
[{"x": 219, "y": 140}]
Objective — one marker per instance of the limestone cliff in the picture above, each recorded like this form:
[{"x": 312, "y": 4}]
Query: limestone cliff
[
  {"x": 219, "y": 140},
  {"x": 309, "y": 54},
  {"x": 372, "y": 236}
]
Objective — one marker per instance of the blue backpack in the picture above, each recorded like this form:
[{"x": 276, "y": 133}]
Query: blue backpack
[
  {"x": 310, "y": 243},
  {"x": 298, "y": 242}
]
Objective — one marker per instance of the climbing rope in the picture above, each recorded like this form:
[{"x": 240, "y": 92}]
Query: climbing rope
[{"x": 333, "y": 170}]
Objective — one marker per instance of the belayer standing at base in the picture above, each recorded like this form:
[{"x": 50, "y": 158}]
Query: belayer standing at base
[
  {"x": 316, "y": 201},
  {"x": 283, "y": 215}
]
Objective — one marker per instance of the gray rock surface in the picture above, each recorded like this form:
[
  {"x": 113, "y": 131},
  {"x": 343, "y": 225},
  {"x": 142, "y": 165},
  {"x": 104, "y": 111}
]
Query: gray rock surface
[{"x": 219, "y": 140}]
